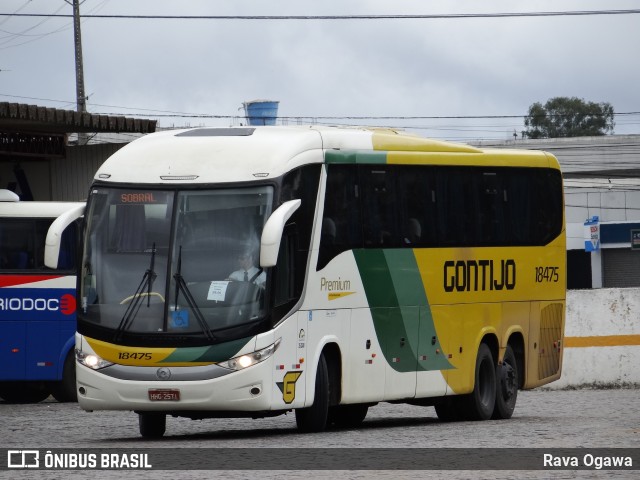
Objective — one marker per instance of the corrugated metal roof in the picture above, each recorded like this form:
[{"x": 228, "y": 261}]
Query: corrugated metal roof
[{"x": 21, "y": 117}]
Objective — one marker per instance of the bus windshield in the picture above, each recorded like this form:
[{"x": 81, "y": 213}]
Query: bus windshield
[{"x": 168, "y": 264}]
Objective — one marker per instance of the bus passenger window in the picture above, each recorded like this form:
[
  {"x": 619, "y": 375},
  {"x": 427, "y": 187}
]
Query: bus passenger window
[
  {"x": 379, "y": 214},
  {"x": 417, "y": 206},
  {"x": 68, "y": 248},
  {"x": 413, "y": 232},
  {"x": 341, "y": 225}
]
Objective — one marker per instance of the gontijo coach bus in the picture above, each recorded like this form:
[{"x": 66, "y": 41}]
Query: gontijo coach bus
[
  {"x": 37, "y": 304},
  {"x": 384, "y": 267}
]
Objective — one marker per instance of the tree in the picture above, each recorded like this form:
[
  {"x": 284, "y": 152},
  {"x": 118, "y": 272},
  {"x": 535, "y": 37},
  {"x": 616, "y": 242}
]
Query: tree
[{"x": 568, "y": 117}]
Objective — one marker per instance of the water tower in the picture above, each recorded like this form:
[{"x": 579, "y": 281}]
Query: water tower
[{"x": 261, "y": 112}]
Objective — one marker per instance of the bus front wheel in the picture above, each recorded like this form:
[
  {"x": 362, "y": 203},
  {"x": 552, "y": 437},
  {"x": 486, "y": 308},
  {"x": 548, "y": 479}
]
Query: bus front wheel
[
  {"x": 314, "y": 418},
  {"x": 480, "y": 403},
  {"x": 152, "y": 424},
  {"x": 64, "y": 390}
]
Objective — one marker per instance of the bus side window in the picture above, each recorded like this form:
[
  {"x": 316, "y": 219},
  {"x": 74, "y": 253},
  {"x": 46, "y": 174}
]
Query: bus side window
[
  {"x": 455, "y": 223},
  {"x": 417, "y": 206},
  {"x": 19, "y": 243},
  {"x": 491, "y": 205},
  {"x": 341, "y": 224},
  {"x": 302, "y": 184},
  {"x": 549, "y": 206},
  {"x": 287, "y": 275},
  {"x": 68, "y": 247},
  {"x": 518, "y": 209},
  {"x": 379, "y": 214}
]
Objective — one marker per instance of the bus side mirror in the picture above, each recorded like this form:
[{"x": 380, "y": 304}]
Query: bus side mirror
[
  {"x": 54, "y": 235},
  {"x": 272, "y": 232}
]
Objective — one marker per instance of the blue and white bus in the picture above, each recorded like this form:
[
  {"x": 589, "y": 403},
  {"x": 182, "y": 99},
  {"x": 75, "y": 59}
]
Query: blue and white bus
[{"x": 37, "y": 304}]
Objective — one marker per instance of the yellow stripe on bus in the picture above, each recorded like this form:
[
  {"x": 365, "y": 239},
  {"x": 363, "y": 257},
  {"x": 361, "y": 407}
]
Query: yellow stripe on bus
[{"x": 602, "y": 341}]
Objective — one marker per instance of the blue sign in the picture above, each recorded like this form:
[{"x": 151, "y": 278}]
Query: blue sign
[
  {"x": 179, "y": 319},
  {"x": 592, "y": 234},
  {"x": 635, "y": 239}
]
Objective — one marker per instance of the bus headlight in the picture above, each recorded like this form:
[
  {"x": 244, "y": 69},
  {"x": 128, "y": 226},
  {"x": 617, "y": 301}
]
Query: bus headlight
[
  {"x": 91, "y": 360},
  {"x": 243, "y": 361}
]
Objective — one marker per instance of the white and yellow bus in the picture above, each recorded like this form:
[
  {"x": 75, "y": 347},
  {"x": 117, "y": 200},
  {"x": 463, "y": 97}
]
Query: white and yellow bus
[{"x": 378, "y": 267}]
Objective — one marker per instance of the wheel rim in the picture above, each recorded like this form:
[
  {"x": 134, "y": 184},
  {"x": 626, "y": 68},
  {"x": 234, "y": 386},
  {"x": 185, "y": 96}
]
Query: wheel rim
[{"x": 507, "y": 381}]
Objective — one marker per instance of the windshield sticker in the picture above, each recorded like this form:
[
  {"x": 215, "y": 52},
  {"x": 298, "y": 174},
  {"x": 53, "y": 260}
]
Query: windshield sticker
[
  {"x": 179, "y": 319},
  {"x": 217, "y": 291}
]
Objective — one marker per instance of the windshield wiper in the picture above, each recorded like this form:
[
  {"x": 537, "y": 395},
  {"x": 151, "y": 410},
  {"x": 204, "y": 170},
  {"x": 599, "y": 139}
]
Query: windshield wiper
[
  {"x": 136, "y": 299},
  {"x": 181, "y": 286}
]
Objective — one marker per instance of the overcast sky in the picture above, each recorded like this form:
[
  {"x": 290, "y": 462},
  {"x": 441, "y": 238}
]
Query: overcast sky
[{"x": 444, "y": 67}]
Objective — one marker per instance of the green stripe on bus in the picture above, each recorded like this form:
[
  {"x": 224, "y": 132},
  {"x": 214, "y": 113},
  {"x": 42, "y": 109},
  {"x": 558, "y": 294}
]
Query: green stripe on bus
[
  {"x": 213, "y": 353},
  {"x": 338, "y": 156},
  {"x": 405, "y": 275},
  {"x": 400, "y": 310}
]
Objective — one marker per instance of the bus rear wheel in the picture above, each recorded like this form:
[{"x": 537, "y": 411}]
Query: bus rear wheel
[
  {"x": 152, "y": 424},
  {"x": 480, "y": 403},
  {"x": 315, "y": 417},
  {"x": 506, "y": 386}
]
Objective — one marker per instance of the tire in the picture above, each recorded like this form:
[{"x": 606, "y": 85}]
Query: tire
[
  {"x": 507, "y": 381},
  {"x": 152, "y": 424},
  {"x": 315, "y": 418},
  {"x": 479, "y": 404},
  {"x": 65, "y": 390},
  {"x": 23, "y": 392},
  {"x": 347, "y": 416}
]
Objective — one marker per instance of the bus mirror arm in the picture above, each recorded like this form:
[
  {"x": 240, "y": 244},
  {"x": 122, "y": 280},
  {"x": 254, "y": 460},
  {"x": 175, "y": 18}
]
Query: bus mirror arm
[
  {"x": 272, "y": 232},
  {"x": 54, "y": 235}
]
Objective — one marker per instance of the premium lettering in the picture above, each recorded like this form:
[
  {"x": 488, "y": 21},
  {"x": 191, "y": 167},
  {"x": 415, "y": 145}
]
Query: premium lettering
[
  {"x": 479, "y": 275},
  {"x": 335, "y": 285}
]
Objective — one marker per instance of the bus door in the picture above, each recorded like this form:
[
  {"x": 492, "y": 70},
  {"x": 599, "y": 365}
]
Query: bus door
[
  {"x": 12, "y": 350},
  {"x": 399, "y": 341}
]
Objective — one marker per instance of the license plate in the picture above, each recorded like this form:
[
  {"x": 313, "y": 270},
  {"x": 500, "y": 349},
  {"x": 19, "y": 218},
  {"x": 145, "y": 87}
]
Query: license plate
[{"x": 164, "y": 395}]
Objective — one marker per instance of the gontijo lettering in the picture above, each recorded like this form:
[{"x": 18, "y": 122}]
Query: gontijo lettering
[{"x": 468, "y": 275}]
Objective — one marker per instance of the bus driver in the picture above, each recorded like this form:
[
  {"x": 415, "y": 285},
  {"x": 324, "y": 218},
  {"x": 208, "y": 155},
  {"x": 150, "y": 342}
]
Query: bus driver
[{"x": 248, "y": 272}]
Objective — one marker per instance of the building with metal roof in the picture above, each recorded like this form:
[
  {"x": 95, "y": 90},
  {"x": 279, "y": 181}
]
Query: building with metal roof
[{"x": 40, "y": 158}]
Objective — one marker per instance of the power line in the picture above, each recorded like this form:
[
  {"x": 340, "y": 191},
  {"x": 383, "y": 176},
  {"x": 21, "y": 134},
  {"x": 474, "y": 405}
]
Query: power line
[
  {"x": 173, "y": 113},
  {"x": 15, "y": 36},
  {"x": 448, "y": 16},
  {"x": 12, "y": 36}
]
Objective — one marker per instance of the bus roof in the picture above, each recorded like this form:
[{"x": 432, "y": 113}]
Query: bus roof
[{"x": 239, "y": 154}]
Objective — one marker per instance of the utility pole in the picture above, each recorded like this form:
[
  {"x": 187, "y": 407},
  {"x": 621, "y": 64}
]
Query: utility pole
[{"x": 81, "y": 98}]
